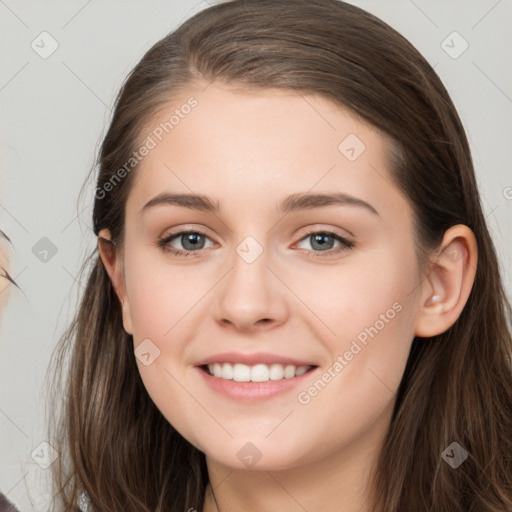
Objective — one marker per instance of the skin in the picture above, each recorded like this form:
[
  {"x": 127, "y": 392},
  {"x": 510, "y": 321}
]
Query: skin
[{"x": 248, "y": 150}]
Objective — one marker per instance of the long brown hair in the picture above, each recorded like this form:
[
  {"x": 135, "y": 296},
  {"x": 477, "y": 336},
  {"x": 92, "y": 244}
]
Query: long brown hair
[{"x": 457, "y": 387}]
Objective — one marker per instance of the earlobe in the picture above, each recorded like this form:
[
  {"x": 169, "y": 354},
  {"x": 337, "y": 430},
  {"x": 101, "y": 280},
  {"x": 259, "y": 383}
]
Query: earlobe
[
  {"x": 448, "y": 284},
  {"x": 113, "y": 265}
]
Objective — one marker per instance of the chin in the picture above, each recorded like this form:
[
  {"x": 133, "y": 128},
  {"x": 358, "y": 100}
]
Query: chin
[{"x": 256, "y": 455}]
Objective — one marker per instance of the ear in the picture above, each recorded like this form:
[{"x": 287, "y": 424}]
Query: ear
[
  {"x": 112, "y": 262},
  {"x": 446, "y": 288}
]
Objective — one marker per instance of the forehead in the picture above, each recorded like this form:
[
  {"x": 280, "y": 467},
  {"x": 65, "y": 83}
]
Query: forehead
[{"x": 252, "y": 146}]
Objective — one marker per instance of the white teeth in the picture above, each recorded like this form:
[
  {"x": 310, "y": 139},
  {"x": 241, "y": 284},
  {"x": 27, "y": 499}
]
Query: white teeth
[
  {"x": 301, "y": 370},
  {"x": 289, "y": 371},
  {"x": 276, "y": 372},
  {"x": 258, "y": 373},
  {"x": 227, "y": 371},
  {"x": 217, "y": 370},
  {"x": 241, "y": 373}
]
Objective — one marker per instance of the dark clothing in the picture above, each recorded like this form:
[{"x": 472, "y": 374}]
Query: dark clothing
[{"x": 6, "y": 505}]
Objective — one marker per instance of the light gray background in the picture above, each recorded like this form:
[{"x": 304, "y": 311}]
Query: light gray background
[{"x": 54, "y": 111}]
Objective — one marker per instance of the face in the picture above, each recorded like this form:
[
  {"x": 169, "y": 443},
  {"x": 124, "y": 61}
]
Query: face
[{"x": 269, "y": 285}]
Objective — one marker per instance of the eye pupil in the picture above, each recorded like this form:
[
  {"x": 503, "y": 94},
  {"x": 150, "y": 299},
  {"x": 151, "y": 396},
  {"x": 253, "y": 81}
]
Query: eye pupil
[
  {"x": 191, "y": 238},
  {"x": 320, "y": 239}
]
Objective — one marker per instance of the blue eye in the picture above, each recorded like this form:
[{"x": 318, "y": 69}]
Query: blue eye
[
  {"x": 193, "y": 241},
  {"x": 324, "y": 240}
]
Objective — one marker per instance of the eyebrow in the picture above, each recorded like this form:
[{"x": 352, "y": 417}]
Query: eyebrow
[{"x": 294, "y": 202}]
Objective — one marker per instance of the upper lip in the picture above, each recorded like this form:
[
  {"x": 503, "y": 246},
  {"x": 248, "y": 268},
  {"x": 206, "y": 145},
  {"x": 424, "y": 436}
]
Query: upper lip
[{"x": 252, "y": 359}]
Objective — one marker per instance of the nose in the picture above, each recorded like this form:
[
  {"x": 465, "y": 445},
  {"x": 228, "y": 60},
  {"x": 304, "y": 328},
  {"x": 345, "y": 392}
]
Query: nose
[{"x": 251, "y": 296}]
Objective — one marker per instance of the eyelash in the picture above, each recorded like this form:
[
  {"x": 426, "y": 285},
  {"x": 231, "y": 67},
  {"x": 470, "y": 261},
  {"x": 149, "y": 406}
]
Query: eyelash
[{"x": 163, "y": 244}]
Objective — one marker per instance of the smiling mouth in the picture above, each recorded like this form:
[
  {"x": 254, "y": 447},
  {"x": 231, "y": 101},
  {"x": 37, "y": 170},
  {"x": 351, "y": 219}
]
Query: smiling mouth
[{"x": 239, "y": 372}]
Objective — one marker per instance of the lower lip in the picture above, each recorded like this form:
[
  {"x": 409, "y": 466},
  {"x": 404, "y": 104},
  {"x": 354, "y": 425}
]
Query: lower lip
[{"x": 252, "y": 391}]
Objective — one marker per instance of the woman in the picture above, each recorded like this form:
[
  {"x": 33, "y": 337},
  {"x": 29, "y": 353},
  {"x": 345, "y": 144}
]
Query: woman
[{"x": 216, "y": 362}]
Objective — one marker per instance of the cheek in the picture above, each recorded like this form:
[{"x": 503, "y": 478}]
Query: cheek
[
  {"x": 368, "y": 358},
  {"x": 160, "y": 298},
  {"x": 363, "y": 298},
  {"x": 370, "y": 314},
  {"x": 162, "y": 312}
]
